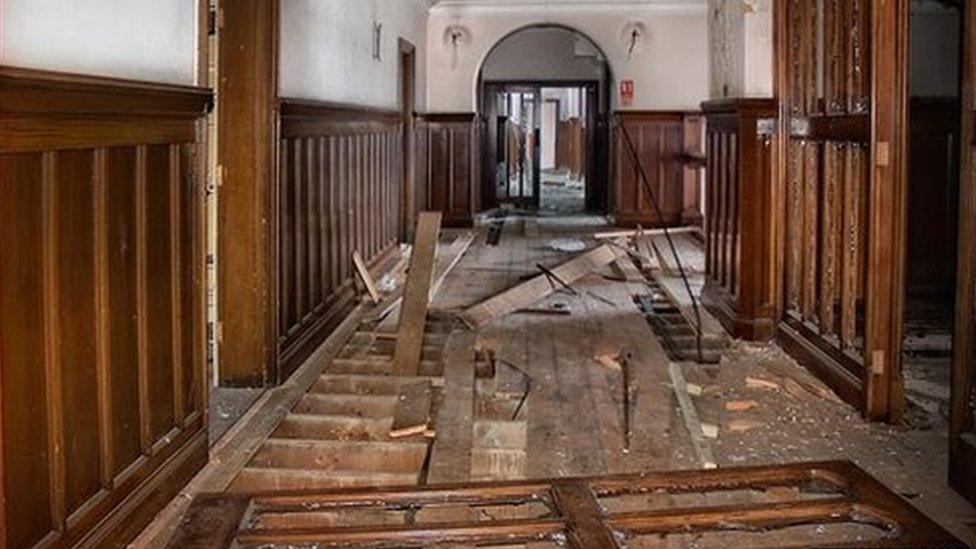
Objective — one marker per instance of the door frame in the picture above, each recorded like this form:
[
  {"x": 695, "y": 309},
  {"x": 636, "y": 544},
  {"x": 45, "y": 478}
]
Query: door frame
[
  {"x": 596, "y": 190},
  {"x": 962, "y": 423}
]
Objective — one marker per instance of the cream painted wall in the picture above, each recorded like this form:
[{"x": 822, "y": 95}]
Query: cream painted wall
[
  {"x": 150, "y": 40},
  {"x": 326, "y": 50},
  {"x": 669, "y": 67}
]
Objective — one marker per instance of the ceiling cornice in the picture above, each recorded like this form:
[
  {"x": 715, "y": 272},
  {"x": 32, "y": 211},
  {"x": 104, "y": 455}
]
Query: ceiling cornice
[{"x": 676, "y": 7}]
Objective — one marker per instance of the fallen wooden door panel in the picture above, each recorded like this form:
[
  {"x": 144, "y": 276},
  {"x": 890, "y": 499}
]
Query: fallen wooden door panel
[
  {"x": 806, "y": 504},
  {"x": 533, "y": 290},
  {"x": 416, "y": 296}
]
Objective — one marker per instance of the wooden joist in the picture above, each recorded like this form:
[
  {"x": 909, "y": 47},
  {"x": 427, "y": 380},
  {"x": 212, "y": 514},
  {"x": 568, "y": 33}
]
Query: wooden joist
[
  {"x": 416, "y": 295},
  {"x": 538, "y": 287}
]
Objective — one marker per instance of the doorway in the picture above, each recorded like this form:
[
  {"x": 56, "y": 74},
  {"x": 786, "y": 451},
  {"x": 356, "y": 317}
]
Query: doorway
[{"x": 544, "y": 91}]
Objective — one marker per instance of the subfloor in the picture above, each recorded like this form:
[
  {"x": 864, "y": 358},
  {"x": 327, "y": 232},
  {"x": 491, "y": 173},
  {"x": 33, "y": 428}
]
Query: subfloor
[{"x": 554, "y": 404}]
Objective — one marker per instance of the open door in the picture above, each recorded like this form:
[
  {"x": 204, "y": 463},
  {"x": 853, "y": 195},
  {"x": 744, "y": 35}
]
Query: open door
[{"x": 962, "y": 429}]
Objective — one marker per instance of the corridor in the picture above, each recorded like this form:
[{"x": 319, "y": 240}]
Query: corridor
[{"x": 592, "y": 274}]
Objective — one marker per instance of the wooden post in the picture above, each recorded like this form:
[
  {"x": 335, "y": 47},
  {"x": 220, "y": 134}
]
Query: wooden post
[{"x": 887, "y": 212}]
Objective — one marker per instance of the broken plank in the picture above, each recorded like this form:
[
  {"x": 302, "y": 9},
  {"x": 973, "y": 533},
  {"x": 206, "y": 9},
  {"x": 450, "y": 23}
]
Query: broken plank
[
  {"x": 532, "y": 291},
  {"x": 416, "y": 296},
  {"x": 613, "y": 235},
  {"x": 412, "y": 415},
  {"x": 690, "y": 416},
  {"x": 374, "y": 293}
]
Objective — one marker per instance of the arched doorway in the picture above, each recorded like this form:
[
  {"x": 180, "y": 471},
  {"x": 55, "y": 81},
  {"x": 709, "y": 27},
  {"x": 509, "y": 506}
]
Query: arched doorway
[{"x": 544, "y": 92}]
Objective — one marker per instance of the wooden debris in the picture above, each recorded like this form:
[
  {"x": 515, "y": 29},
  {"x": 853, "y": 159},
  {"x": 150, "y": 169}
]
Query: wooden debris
[
  {"x": 416, "y": 296},
  {"x": 743, "y": 425},
  {"x": 374, "y": 293},
  {"x": 690, "y": 416},
  {"x": 609, "y": 360},
  {"x": 795, "y": 383},
  {"x": 412, "y": 415},
  {"x": 537, "y": 288},
  {"x": 741, "y": 405},
  {"x": 613, "y": 235},
  {"x": 759, "y": 383}
]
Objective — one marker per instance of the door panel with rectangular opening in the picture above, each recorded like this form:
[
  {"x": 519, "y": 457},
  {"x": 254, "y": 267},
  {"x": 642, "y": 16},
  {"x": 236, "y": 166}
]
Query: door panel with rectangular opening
[{"x": 962, "y": 439}]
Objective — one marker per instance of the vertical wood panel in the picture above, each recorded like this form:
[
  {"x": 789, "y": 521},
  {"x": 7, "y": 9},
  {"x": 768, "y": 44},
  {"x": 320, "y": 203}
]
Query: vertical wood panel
[
  {"x": 26, "y": 419},
  {"x": 159, "y": 292},
  {"x": 75, "y": 245},
  {"x": 120, "y": 183}
]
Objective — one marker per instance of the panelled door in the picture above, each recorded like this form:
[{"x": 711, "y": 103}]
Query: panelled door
[{"x": 962, "y": 445}]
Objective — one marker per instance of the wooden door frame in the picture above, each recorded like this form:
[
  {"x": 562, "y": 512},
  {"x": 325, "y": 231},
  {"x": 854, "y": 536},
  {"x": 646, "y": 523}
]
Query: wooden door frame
[
  {"x": 962, "y": 445},
  {"x": 593, "y": 111},
  {"x": 887, "y": 210},
  {"x": 247, "y": 152},
  {"x": 407, "y": 82}
]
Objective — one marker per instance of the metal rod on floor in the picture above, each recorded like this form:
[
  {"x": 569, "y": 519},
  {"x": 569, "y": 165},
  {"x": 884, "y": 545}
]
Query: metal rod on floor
[{"x": 635, "y": 159}]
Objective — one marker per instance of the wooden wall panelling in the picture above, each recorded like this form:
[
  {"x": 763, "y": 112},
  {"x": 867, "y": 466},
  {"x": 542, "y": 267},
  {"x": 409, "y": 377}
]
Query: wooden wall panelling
[
  {"x": 102, "y": 362},
  {"x": 962, "y": 429},
  {"x": 740, "y": 262},
  {"x": 933, "y": 176},
  {"x": 339, "y": 189},
  {"x": 693, "y": 130},
  {"x": 453, "y": 176},
  {"x": 659, "y": 140}
]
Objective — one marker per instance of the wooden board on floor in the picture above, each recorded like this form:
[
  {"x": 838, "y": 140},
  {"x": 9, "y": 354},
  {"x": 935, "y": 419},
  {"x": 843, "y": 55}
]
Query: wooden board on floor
[
  {"x": 450, "y": 459},
  {"x": 412, "y": 416},
  {"x": 447, "y": 259},
  {"x": 416, "y": 296},
  {"x": 850, "y": 496},
  {"x": 675, "y": 289},
  {"x": 533, "y": 290}
]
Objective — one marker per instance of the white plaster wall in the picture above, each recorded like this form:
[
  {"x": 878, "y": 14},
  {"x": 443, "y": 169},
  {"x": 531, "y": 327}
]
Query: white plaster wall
[
  {"x": 669, "y": 67},
  {"x": 152, "y": 40},
  {"x": 326, "y": 50}
]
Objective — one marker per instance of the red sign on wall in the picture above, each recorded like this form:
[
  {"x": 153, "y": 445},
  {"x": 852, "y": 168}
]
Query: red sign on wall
[{"x": 626, "y": 92}]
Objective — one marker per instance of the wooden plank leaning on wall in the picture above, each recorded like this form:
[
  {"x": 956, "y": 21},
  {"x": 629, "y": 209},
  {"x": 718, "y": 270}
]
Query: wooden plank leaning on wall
[{"x": 102, "y": 297}]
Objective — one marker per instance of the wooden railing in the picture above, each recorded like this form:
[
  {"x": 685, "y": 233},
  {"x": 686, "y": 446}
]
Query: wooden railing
[{"x": 740, "y": 281}]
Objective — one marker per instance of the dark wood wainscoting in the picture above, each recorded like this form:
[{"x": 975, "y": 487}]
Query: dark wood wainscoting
[
  {"x": 740, "y": 283},
  {"x": 338, "y": 192},
  {"x": 449, "y": 148},
  {"x": 102, "y": 320},
  {"x": 933, "y": 198},
  {"x": 660, "y": 142}
]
